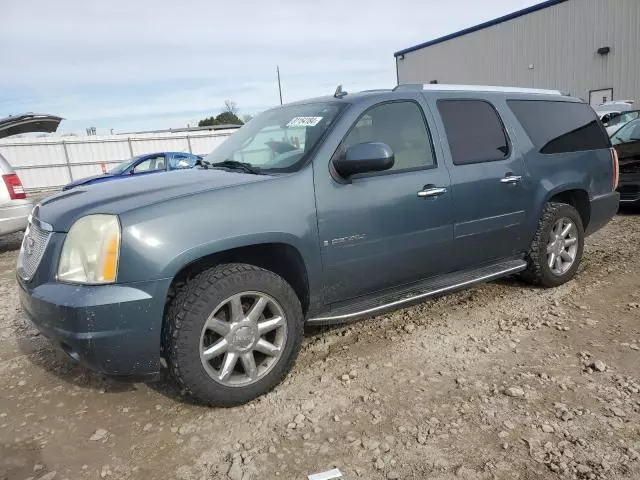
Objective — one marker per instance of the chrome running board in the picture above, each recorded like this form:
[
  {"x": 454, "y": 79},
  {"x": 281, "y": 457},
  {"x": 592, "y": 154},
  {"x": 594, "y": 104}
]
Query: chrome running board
[{"x": 416, "y": 292}]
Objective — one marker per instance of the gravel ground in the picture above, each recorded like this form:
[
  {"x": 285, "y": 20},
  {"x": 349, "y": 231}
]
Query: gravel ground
[{"x": 502, "y": 381}]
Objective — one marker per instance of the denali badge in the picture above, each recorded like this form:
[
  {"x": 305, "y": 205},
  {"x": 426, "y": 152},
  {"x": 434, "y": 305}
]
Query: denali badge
[{"x": 343, "y": 240}]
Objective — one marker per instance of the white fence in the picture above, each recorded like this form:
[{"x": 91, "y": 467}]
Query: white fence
[{"x": 51, "y": 162}]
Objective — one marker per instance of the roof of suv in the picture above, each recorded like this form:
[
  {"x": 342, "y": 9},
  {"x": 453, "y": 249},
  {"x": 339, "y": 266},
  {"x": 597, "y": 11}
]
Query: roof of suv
[{"x": 385, "y": 93}]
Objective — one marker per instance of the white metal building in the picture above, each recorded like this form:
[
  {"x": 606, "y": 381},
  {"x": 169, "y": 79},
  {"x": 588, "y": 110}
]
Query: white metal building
[{"x": 587, "y": 48}]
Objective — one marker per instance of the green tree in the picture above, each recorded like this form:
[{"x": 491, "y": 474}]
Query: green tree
[
  {"x": 228, "y": 116},
  {"x": 207, "y": 122}
]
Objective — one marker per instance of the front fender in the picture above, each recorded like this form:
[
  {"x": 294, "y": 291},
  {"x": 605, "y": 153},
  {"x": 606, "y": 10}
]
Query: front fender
[
  {"x": 221, "y": 245},
  {"x": 161, "y": 239}
]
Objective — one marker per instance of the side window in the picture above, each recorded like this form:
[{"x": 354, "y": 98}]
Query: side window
[
  {"x": 559, "y": 127},
  {"x": 401, "y": 126},
  {"x": 153, "y": 163},
  {"x": 474, "y": 131},
  {"x": 182, "y": 160}
]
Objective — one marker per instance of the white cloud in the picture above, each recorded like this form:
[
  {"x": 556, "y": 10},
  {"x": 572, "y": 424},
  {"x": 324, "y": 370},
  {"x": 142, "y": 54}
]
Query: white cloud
[{"x": 115, "y": 63}]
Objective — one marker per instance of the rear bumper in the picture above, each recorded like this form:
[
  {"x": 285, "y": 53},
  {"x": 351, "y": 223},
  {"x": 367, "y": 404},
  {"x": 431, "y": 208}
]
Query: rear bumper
[
  {"x": 13, "y": 216},
  {"x": 603, "y": 209},
  {"x": 113, "y": 329}
]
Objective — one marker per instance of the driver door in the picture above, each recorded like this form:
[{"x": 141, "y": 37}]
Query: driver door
[{"x": 380, "y": 230}]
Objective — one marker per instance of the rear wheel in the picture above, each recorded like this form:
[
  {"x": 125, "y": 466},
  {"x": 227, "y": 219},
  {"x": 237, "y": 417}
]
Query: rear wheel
[
  {"x": 234, "y": 333},
  {"x": 556, "y": 250}
]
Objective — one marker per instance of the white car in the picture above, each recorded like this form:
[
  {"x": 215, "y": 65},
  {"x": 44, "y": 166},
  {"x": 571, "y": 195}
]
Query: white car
[
  {"x": 617, "y": 122},
  {"x": 608, "y": 110},
  {"x": 15, "y": 207}
]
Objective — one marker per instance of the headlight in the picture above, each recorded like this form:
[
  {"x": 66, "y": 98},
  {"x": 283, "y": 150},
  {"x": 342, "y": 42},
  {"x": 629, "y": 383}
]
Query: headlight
[{"x": 91, "y": 250}]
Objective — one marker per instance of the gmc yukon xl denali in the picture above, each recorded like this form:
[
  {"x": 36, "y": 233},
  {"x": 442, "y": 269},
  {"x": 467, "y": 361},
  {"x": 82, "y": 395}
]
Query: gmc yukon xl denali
[{"x": 315, "y": 212}]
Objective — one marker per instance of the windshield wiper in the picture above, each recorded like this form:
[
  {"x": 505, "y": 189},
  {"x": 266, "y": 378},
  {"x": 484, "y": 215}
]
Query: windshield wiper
[{"x": 235, "y": 165}]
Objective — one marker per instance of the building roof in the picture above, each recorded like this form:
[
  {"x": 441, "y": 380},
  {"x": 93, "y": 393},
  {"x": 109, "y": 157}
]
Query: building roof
[{"x": 490, "y": 23}]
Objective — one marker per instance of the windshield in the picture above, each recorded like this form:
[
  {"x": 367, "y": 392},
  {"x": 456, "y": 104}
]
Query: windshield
[
  {"x": 122, "y": 166},
  {"x": 623, "y": 118},
  {"x": 629, "y": 133},
  {"x": 278, "y": 139}
]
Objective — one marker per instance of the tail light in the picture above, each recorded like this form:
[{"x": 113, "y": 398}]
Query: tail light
[
  {"x": 616, "y": 168},
  {"x": 14, "y": 186}
]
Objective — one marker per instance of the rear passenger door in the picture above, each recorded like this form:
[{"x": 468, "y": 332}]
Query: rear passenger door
[{"x": 488, "y": 182}]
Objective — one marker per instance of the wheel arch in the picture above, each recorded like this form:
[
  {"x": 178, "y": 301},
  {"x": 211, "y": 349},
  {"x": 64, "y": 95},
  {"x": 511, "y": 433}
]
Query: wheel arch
[
  {"x": 277, "y": 255},
  {"x": 578, "y": 198}
]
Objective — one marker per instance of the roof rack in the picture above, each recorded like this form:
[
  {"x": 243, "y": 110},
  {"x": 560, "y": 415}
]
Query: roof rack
[
  {"x": 473, "y": 88},
  {"x": 375, "y": 90}
]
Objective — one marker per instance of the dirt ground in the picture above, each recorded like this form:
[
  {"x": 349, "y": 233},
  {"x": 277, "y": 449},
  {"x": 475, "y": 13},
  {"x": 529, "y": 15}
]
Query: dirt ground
[{"x": 503, "y": 381}]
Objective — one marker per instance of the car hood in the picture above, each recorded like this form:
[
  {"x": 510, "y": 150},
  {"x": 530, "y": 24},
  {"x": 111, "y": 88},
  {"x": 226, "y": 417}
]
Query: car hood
[
  {"x": 86, "y": 180},
  {"x": 27, "y": 123},
  {"x": 63, "y": 209}
]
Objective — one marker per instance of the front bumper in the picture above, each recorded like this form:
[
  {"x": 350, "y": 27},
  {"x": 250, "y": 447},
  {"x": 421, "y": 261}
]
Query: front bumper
[
  {"x": 113, "y": 329},
  {"x": 603, "y": 209}
]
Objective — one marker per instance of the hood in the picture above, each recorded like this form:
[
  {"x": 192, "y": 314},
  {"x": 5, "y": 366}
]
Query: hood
[
  {"x": 27, "y": 123},
  {"x": 63, "y": 209},
  {"x": 86, "y": 180}
]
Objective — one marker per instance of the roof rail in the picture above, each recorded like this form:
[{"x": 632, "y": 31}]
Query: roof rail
[
  {"x": 375, "y": 90},
  {"x": 473, "y": 88}
]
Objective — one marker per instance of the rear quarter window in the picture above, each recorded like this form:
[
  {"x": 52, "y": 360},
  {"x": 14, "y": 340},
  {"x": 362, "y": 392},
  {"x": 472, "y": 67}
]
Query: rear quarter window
[{"x": 560, "y": 127}]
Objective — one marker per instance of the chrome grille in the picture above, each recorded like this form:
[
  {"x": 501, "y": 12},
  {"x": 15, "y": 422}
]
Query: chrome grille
[
  {"x": 629, "y": 192},
  {"x": 34, "y": 244}
]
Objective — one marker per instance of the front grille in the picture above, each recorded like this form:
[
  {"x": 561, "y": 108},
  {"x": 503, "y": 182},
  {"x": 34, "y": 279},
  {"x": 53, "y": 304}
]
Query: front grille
[
  {"x": 34, "y": 244},
  {"x": 629, "y": 192}
]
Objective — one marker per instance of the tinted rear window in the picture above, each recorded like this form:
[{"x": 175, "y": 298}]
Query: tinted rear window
[
  {"x": 559, "y": 127},
  {"x": 474, "y": 131}
]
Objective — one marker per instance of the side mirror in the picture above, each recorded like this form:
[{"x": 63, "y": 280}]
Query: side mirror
[{"x": 364, "y": 158}]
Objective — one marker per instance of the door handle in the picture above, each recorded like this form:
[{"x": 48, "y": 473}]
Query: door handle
[
  {"x": 431, "y": 192},
  {"x": 510, "y": 179}
]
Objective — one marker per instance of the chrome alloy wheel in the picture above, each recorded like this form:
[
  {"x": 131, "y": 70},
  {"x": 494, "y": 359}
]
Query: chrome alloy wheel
[
  {"x": 563, "y": 246},
  {"x": 243, "y": 339}
]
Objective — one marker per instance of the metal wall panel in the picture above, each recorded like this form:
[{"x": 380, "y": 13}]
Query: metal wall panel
[
  {"x": 43, "y": 178},
  {"x": 50, "y": 162},
  {"x": 173, "y": 144},
  {"x": 551, "y": 48},
  {"x": 101, "y": 151},
  {"x": 202, "y": 145}
]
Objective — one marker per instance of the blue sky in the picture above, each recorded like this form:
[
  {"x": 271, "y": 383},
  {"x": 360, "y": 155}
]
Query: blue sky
[{"x": 140, "y": 64}]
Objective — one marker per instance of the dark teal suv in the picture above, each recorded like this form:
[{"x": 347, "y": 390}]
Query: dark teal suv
[{"x": 316, "y": 212}]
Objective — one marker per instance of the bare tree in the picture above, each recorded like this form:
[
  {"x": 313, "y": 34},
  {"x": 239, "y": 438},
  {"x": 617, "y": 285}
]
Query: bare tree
[{"x": 230, "y": 106}]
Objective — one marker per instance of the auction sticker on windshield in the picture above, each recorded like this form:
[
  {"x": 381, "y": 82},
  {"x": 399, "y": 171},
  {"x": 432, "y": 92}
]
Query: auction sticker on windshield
[{"x": 304, "y": 122}]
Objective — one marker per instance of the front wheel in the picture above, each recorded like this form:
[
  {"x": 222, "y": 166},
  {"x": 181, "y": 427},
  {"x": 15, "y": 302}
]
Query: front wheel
[
  {"x": 234, "y": 333},
  {"x": 556, "y": 249}
]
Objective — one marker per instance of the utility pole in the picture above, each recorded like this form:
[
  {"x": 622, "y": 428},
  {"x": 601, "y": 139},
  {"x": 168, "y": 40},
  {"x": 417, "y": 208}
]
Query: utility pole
[{"x": 279, "y": 85}]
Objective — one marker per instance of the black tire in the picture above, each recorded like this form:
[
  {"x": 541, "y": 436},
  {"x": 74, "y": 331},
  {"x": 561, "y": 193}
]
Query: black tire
[
  {"x": 538, "y": 271},
  {"x": 186, "y": 316}
]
